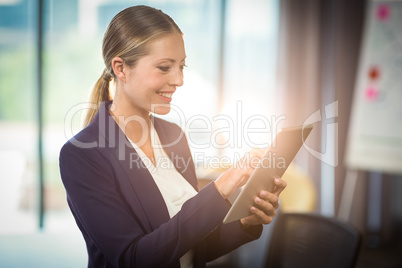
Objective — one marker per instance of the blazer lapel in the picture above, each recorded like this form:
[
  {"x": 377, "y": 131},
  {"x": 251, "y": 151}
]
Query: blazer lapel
[
  {"x": 175, "y": 144},
  {"x": 142, "y": 184}
]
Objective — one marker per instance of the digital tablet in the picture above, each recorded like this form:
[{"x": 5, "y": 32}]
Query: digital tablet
[{"x": 273, "y": 164}]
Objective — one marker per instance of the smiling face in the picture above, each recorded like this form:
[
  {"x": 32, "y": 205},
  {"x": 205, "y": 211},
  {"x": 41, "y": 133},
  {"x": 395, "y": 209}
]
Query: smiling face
[{"x": 150, "y": 84}]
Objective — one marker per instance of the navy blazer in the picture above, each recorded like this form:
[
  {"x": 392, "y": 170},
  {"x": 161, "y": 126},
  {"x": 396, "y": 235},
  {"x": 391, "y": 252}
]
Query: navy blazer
[{"x": 122, "y": 214}]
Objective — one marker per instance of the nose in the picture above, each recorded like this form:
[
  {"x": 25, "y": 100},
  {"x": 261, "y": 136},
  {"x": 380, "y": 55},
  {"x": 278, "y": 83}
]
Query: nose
[{"x": 177, "y": 78}]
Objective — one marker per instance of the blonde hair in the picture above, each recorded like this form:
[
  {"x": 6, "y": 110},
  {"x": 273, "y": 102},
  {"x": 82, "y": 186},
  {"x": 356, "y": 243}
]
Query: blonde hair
[{"x": 128, "y": 36}]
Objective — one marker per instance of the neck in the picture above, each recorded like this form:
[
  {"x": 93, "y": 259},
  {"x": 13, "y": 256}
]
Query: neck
[{"x": 135, "y": 124}]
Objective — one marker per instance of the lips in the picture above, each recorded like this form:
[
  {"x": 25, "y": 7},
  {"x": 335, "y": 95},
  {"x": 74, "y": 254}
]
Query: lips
[{"x": 166, "y": 94}]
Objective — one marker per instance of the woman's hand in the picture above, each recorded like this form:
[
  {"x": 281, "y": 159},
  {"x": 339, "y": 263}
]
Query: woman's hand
[
  {"x": 265, "y": 206},
  {"x": 239, "y": 173}
]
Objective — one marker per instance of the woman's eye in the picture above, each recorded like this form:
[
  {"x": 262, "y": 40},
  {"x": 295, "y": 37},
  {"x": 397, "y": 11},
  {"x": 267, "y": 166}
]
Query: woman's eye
[
  {"x": 183, "y": 66},
  {"x": 163, "y": 68}
]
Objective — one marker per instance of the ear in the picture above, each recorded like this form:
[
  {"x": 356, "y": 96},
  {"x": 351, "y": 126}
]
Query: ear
[{"x": 119, "y": 68}]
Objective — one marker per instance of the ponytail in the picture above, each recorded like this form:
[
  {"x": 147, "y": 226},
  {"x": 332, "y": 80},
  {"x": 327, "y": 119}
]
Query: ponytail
[{"x": 100, "y": 93}]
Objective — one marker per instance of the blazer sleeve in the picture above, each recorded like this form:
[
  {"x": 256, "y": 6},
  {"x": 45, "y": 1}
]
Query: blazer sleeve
[
  {"x": 118, "y": 232},
  {"x": 228, "y": 237}
]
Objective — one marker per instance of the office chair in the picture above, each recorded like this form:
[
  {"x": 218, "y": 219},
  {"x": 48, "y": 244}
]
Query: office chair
[{"x": 308, "y": 240}]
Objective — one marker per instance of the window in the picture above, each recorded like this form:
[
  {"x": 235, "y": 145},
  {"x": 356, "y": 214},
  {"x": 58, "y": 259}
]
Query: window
[
  {"x": 18, "y": 120},
  {"x": 72, "y": 62}
]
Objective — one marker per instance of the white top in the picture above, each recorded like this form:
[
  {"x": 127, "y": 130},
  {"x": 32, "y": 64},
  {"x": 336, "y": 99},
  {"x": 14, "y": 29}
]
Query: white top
[{"x": 175, "y": 189}]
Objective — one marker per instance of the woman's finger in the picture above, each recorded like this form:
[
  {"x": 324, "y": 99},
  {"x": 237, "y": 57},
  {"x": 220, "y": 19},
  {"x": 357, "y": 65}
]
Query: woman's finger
[
  {"x": 273, "y": 199},
  {"x": 256, "y": 152},
  {"x": 261, "y": 216},
  {"x": 267, "y": 207},
  {"x": 280, "y": 185},
  {"x": 245, "y": 176}
]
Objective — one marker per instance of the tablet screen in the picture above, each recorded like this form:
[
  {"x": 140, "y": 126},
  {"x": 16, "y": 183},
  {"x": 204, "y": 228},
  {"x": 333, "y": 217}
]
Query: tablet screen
[{"x": 276, "y": 159}]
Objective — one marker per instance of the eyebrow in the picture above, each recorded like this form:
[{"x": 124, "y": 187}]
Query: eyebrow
[{"x": 171, "y": 60}]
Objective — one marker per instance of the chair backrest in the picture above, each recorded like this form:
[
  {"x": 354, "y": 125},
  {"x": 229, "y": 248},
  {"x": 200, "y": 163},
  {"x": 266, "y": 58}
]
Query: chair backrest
[{"x": 308, "y": 240}]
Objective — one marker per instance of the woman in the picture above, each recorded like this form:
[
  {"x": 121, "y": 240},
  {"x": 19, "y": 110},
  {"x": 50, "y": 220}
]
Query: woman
[{"x": 131, "y": 210}]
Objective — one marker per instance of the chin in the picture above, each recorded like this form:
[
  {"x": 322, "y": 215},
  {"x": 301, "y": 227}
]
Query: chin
[{"x": 162, "y": 110}]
